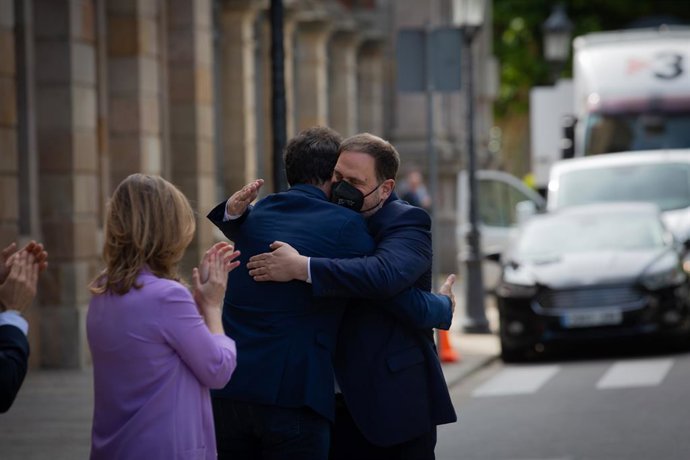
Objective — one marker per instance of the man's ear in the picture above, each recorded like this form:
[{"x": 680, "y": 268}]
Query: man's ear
[{"x": 387, "y": 188}]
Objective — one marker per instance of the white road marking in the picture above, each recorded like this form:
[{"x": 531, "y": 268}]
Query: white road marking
[
  {"x": 636, "y": 373},
  {"x": 517, "y": 380}
]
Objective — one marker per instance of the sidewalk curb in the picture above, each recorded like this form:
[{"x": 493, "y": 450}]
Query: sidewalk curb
[{"x": 471, "y": 369}]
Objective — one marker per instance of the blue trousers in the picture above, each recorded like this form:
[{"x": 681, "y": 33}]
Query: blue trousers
[{"x": 253, "y": 431}]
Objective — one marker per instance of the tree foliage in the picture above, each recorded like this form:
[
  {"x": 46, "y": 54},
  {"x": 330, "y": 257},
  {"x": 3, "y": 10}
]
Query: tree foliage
[{"x": 518, "y": 37}]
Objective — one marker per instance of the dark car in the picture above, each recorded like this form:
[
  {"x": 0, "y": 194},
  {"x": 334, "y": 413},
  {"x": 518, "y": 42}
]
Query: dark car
[{"x": 587, "y": 272}]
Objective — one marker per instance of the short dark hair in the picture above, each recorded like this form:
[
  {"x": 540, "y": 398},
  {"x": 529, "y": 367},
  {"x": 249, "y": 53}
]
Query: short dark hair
[
  {"x": 386, "y": 157},
  {"x": 311, "y": 155}
]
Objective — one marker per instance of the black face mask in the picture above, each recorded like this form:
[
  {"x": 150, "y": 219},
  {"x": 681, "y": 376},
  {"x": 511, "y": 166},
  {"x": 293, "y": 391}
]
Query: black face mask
[{"x": 345, "y": 194}]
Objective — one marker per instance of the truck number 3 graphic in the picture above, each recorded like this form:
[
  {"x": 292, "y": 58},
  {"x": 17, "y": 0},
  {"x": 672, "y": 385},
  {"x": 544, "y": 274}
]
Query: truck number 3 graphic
[{"x": 668, "y": 65}]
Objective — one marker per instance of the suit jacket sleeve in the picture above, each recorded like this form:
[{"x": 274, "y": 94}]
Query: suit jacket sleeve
[
  {"x": 211, "y": 357},
  {"x": 421, "y": 309},
  {"x": 403, "y": 254},
  {"x": 14, "y": 356},
  {"x": 230, "y": 227}
]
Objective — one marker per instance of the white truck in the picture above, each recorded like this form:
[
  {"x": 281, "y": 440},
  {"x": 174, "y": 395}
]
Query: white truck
[{"x": 632, "y": 90}]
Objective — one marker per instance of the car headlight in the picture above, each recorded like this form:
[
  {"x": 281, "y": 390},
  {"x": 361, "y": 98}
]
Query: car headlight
[
  {"x": 665, "y": 278},
  {"x": 517, "y": 282},
  {"x": 508, "y": 290}
]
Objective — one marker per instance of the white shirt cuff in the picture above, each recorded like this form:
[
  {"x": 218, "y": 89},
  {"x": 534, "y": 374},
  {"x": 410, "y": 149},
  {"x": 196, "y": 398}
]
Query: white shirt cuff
[
  {"x": 14, "y": 318},
  {"x": 309, "y": 270},
  {"x": 227, "y": 217}
]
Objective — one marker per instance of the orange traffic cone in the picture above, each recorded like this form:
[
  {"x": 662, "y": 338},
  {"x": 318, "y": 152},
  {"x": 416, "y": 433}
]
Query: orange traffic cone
[{"x": 446, "y": 352}]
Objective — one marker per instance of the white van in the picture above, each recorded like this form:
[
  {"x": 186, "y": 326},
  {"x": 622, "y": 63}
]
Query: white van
[
  {"x": 659, "y": 176},
  {"x": 500, "y": 196}
]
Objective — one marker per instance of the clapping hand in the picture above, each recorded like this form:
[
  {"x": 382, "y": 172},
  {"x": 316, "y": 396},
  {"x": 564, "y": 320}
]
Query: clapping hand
[
  {"x": 225, "y": 251},
  {"x": 210, "y": 280},
  {"x": 18, "y": 288},
  {"x": 211, "y": 277},
  {"x": 9, "y": 255}
]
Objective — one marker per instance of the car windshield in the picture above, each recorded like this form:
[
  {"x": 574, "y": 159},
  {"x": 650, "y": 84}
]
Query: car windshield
[
  {"x": 634, "y": 131},
  {"x": 666, "y": 185},
  {"x": 549, "y": 237}
]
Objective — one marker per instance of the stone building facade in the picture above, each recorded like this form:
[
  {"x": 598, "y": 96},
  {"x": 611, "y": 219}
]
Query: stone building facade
[{"x": 94, "y": 90}]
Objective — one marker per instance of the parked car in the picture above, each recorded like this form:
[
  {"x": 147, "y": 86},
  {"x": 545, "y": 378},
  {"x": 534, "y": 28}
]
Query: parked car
[
  {"x": 500, "y": 196},
  {"x": 593, "y": 271},
  {"x": 660, "y": 176}
]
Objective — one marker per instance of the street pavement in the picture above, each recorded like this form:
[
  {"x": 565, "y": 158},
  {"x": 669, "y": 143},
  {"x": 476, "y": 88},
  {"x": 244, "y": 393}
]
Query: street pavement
[
  {"x": 51, "y": 417},
  {"x": 475, "y": 351}
]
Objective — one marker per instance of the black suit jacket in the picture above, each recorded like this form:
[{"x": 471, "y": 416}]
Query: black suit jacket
[{"x": 14, "y": 357}]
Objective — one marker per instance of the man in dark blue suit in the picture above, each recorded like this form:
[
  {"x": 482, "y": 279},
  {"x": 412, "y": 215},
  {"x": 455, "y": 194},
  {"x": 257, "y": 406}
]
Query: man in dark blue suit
[
  {"x": 279, "y": 402},
  {"x": 14, "y": 357},
  {"x": 18, "y": 279},
  {"x": 393, "y": 390}
]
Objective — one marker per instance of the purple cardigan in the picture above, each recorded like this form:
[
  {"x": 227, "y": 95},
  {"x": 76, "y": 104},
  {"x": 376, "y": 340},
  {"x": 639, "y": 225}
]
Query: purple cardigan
[{"x": 154, "y": 361}]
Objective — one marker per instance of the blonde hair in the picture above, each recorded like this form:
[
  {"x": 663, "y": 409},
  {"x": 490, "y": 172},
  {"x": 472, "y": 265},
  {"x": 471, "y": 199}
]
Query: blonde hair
[{"x": 149, "y": 222}]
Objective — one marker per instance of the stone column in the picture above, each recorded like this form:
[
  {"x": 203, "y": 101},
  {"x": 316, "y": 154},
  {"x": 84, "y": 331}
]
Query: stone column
[
  {"x": 17, "y": 54},
  {"x": 9, "y": 160},
  {"x": 134, "y": 88},
  {"x": 238, "y": 93},
  {"x": 343, "y": 91},
  {"x": 312, "y": 72},
  {"x": 190, "y": 91},
  {"x": 289, "y": 31},
  {"x": 66, "y": 134},
  {"x": 371, "y": 78}
]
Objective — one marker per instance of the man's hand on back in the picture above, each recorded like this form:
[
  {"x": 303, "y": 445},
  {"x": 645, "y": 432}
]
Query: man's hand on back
[
  {"x": 284, "y": 263},
  {"x": 240, "y": 200}
]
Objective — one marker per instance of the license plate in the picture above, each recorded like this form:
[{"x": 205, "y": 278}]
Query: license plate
[{"x": 592, "y": 318}]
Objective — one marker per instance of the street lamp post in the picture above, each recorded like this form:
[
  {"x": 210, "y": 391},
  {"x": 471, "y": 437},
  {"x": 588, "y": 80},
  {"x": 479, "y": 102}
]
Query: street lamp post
[
  {"x": 557, "y": 30},
  {"x": 278, "y": 94},
  {"x": 469, "y": 14}
]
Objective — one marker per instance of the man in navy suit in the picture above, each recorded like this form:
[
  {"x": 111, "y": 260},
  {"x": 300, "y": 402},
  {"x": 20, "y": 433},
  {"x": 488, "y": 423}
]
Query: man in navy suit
[
  {"x": 18, "y": 279},
  {"x": 393, "y": 390},
  {"x": 279, "y": 402}
]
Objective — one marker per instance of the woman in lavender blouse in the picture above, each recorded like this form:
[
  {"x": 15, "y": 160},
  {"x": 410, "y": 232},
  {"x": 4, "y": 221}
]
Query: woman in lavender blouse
[{"x": 156, "y": 347}]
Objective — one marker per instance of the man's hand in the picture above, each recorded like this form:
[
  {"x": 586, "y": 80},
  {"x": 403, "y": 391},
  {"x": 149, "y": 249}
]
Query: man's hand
[
  {"x": 4, "y": 259},
  {"x": 9, "y": 255},
  {"x": 283, "y": 264},
  {"x": 19, "y": 287},
  {"x": 447, "y": 290},
  {"x": 240, "y": 200}
]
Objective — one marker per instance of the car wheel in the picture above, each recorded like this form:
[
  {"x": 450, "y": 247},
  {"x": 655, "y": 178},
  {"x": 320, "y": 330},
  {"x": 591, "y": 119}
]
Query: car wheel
[
  {"x": 679, "y": 343},
  {"x": 512, "y": 354}
]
